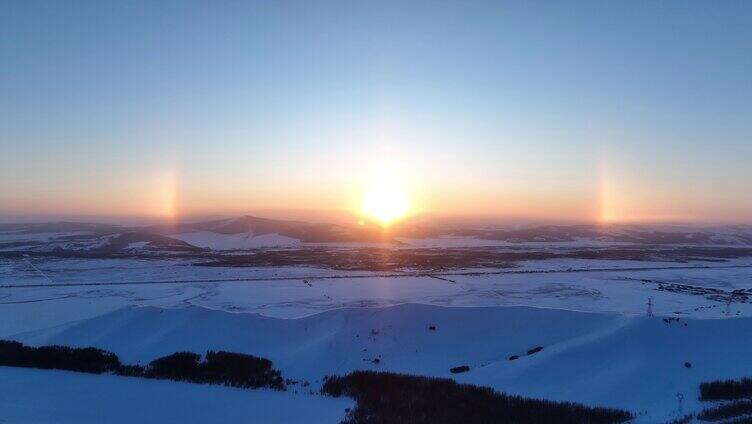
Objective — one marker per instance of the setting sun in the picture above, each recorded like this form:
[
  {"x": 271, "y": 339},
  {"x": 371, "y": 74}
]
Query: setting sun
[{"x": 385, "y": 201}]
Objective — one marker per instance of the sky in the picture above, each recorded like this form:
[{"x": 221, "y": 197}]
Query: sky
[{"x": 561, "y": 111}]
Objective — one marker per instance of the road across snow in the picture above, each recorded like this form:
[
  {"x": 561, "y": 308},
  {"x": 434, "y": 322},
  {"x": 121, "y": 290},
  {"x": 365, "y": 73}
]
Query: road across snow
[{"x": 446, "y": 275}]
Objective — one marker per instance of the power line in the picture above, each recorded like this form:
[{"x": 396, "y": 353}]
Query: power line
[{"x": 27, "y": 258}]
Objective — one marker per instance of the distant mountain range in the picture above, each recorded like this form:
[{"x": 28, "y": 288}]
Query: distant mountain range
[{"x": 249, "y": 232}]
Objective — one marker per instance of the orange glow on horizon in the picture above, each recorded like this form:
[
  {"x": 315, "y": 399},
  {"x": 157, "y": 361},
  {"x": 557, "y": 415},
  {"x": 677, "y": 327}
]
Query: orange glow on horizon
[{"x": 393, "y": 187}]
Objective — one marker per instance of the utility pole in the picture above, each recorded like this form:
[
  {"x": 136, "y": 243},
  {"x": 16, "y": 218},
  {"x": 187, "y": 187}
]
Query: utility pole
[
  {"x": 650, "y": 306},
  {"x": 680, "y": 399}
]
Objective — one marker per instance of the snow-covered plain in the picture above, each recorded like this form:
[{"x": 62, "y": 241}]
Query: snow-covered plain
[
  {"x": 239, "y": 289},
  {"x": 52, "y": 397},
  {"x": 589, "y": 316}
]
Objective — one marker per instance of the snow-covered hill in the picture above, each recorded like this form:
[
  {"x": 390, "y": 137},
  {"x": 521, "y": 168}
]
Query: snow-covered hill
[
  {"x": 240, "y": 241},
  {"x": 636, "y": 363}
]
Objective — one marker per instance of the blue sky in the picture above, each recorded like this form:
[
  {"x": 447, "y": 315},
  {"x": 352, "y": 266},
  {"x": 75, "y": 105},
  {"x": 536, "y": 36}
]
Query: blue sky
[{"x": 637, "y": 110}]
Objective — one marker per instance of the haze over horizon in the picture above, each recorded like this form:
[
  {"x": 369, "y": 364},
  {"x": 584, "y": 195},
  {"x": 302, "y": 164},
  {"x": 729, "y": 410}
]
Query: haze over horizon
[{"x": 547, "y": 111}]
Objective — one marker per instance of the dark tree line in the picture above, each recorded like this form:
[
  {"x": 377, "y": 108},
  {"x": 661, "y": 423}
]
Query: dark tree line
[
  {"x": 731, "y": 399},
  {"x": 218, "y": 367},
  {"x": 89, "y": 359},
  {"x": 726, "y": 389},
  {"x": 384, "y": 397}
]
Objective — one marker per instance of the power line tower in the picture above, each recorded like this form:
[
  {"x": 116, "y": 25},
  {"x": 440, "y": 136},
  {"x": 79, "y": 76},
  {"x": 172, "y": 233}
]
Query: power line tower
[
  {"x": 650, "y": 306},
  {"x": 728, "y": 306}
]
